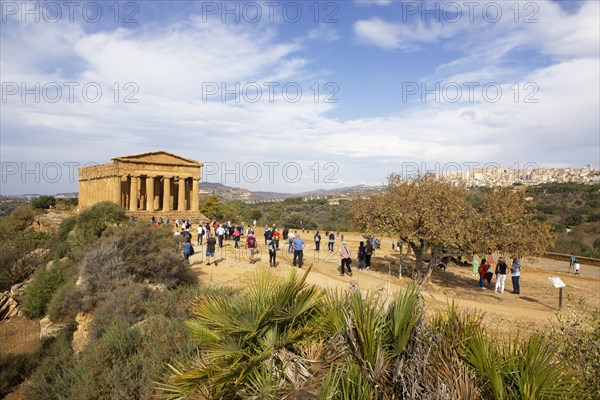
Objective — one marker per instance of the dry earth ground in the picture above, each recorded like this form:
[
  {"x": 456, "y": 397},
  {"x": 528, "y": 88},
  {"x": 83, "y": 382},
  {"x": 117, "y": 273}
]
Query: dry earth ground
[{"x": 536, "y": 306}]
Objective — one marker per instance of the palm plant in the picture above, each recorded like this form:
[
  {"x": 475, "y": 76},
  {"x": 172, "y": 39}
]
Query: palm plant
[{"x": 249, "y": 343}]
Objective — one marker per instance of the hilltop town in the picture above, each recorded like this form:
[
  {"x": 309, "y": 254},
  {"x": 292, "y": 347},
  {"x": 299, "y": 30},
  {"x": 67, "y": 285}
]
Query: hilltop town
[{"x": 498, "y": 176}]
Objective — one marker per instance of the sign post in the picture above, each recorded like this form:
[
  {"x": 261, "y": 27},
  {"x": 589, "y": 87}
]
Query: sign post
[{"x": 559, "y": 284}]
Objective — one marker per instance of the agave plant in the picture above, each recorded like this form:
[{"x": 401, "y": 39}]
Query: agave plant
[{"x": 374, "y": 334}]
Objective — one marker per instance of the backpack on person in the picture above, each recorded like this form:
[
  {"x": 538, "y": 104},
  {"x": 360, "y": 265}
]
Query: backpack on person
[{"x": 251, "y": 241}]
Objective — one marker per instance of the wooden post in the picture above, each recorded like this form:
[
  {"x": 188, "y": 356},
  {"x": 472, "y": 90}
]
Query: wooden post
[{"x": 560, "y": 298}]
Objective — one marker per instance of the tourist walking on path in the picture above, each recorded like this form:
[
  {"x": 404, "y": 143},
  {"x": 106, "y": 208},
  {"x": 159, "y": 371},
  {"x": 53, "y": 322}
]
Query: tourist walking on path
[
  {"x": 501, "y": 268},
  {"x": 515, "y": 270},
  {"x": 291, "y": 237},
  {"x": 251, "y": 247},
  {"x": 220, "y": 231},
  {"x": 200, "y": 234},
  {"x": 317, "y": 241},
  {"x": 298, "y": 245},
  {"x": 345, "y": 254},
  {"x": 362, "y": 255},
  {"x": 331, "y": 242},
  {"x": 276, "y": 237},
  {"x": 272, "y": 254},
  {"x": 188, "y": 250},
  {"x": 571, "y": 261},
  {"x": 211, "y": 244},
  {"x": 284, "y": 234},
  {"x": 369, "y": 249},
  {"x": 475, "y": 264},
  {"x": 483, "y": 270},
  {"x": 236, "y": 237}
]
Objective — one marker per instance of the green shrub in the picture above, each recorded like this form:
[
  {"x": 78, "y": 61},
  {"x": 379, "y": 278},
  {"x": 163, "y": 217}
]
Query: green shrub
[
  {"x": 93, "y": 221},
  {"x": 60, "y": 245},
  {"x": 54, "y": 376},
  {"x": 18, "y": 220},
  {"x": 41, "y": 289},
  {"x": 122, "y": 362},
  {"x": 102, "y": 269},
  {"x": 594, "y": 217},
  {"x": 573, "y": 219},
  {"x": 135, "y": 252},
  {"x": 65, "y": 302},
  {"x": 44, "y": 202},
  {"x": 125, "y": 303},
  {"x": 14, "y": 369},
  {"x": 17, "y": 242}
]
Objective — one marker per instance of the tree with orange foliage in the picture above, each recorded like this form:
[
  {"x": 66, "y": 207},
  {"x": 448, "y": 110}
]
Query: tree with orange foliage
[{"x": 432, "y": 215}]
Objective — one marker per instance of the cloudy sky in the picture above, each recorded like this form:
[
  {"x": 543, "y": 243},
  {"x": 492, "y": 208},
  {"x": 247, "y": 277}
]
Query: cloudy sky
[{"x": 293, "y": 96}]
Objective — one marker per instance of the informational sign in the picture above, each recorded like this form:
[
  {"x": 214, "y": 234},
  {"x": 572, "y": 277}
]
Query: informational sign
[{"x": 557, "y": 282}]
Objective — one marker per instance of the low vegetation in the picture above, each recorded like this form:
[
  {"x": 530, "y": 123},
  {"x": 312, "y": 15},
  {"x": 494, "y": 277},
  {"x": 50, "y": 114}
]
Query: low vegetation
[
  {"x": 154, "y": 335},
  {"x": 39, "y": 292},
  {"x": 574, "y": 211},
  {"x": 284, "y": 339},
  {"x": 293, "y": 212}
]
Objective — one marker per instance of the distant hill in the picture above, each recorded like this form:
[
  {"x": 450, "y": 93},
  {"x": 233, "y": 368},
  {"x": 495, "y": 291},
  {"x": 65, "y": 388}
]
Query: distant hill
[{"x": 228, "y": 193}]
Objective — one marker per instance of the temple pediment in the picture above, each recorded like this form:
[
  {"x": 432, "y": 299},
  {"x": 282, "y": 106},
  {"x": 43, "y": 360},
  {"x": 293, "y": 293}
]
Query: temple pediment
[{"x": 158, "y": 158}]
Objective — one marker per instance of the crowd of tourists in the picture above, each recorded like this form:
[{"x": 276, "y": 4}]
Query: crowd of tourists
[
  {"x": 216, "y": 234},
  {"x": 483, "y": 268}
]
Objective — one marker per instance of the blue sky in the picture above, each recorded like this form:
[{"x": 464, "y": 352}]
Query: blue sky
[{"x": 371, "y": 87}]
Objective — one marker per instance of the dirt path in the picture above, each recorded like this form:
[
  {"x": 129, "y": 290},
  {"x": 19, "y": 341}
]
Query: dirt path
[{"x": 535, "y": 307}]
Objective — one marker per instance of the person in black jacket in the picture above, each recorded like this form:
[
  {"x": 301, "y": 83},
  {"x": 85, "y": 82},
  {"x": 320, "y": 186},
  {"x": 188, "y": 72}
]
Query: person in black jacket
[
  {"x": 501, "y": 268},
  {"x": 317, "y": 241}
]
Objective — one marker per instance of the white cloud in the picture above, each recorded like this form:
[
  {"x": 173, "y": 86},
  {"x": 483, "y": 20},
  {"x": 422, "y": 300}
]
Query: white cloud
[
  {"x": 373, "y": 2},
  {"x": 324, "y": 33},
  {"x": 170, "y": 63},
  {"x": 399, "y": 36}
]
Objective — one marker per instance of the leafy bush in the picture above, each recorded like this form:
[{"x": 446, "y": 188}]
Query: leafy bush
[
  {"x": 14, "y": 368},
  {"x": 131, "y": 253},
  {"x": 594, "y": 217},
  {"x": 44, "y": 202},
  {"x": 18, "y": 260},
  {"x": 573, "y": 219},
  {"x": 102, "y": 269},
  {"x": 126, "y": 303},
  {"x": 125, "y": 356},
  {"x": 93, "y": 221},
  {"x": 65, "y": 303},
  {"x": 41, "y": 289},
  {"x": 54, "y": 376},
  {"x": 60, "y": 245},
  {"x": 577, "y": 339},
  {"x": 18, "y": 220},
  {"x": 17, "y": 242}
]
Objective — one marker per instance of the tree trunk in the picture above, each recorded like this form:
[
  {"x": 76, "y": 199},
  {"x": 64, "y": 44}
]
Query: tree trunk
[{"x": 418, "y": 250}]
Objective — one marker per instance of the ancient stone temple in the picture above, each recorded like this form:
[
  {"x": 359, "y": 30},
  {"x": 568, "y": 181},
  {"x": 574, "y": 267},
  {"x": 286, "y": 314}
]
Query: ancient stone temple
[{"x": 157, "y": 183}]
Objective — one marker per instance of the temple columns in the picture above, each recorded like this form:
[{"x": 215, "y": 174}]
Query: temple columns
[
  {"x": 150, "y": 193},
  {"x": 166, "y": 206},
  {"x": 133, "y": 194},
  {"x": 195, "y": 206},
  {"x": 181, "y": 196},
  {"x": 117, "y": 190}
]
